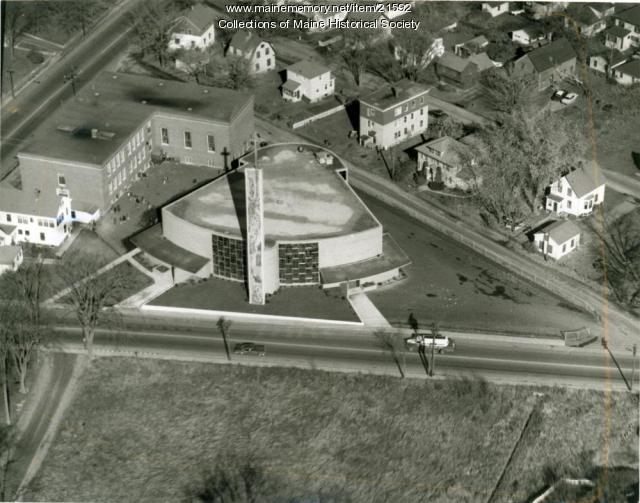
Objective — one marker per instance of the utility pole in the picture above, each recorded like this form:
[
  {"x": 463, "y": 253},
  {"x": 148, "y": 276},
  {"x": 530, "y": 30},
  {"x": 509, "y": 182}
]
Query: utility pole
[
  {"x": 10, "y": 71},
  {"x": 434, "y": 333},
  {"x": 634, "y": 351},
  {"x": 624, "y": 378},
  {"x": 71, "y": 77}
]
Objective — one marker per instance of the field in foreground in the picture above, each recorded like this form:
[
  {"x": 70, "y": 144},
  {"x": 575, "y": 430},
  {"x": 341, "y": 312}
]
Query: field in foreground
[{"x": 143, "y": 430}]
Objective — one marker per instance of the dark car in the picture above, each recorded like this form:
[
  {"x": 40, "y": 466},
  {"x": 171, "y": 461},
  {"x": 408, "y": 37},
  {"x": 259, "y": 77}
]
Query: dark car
[{"x": 246, "y": 348}]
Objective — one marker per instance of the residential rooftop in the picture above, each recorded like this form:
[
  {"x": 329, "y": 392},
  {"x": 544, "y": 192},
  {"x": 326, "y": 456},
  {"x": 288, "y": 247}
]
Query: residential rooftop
[
  {"x": 631, "y": 68},
  {"x": 631, "y": 16},
  {"x": 116, "y": 105},
  {"x": 309, "y": 69},
  {"x": 195, "y": 20},
  {"x": 245, "y": 41},
  {"x": 546, "y": 57},
  {"x": 303, "y": 199},
  {"x": 617, "y": 31},
  {"x": 561, "y": 231},
  {"x": 41, "y": 203},
  {"x": 582, "y": 182},
  {"x": 395, "y": 94}
]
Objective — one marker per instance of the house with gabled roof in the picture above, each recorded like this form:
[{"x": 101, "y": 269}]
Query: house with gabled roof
[
  {"x": 606, "y": 60},
  {"x": 463, "y": 72},
  {"x": 494, "y": 9},
  {"x": 194, "y": 28},
  {"x": 309, "y": 80},
  {"x": 628, "y": 73},
  {"x": 259, "y": 53},
  {"x": 618, "y": 37},
  {"x": 589, "y": 18},
  {"x": 557, "y": 239},
  {"x": 532, "y": 34},
  {"x": 549, "y": 64},
  {"x": 576, "y": 193},
  {"x": 629, "y": 19}
]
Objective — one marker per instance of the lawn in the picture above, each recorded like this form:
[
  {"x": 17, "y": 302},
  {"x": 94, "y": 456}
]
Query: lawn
[
  {"x": 453, "y": 285},
  {"x": 135, "y": 281},
  {"x": 143, "y": 430},
  {"x": 21, "y": 67},
  {"x": 220, "y": 295}
]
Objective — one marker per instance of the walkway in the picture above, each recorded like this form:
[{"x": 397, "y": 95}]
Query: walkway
[{"x": 367, "y": 311}]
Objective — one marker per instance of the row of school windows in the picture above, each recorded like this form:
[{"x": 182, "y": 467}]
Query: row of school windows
[
  {"x": 42, "y": 222},
  {"x": 130, "y": 147},
  {"x": 188, "y": 139}
]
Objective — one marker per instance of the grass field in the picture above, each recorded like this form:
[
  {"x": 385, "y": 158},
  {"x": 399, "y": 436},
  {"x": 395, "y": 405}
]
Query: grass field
[{"x": 142, "y": 430}]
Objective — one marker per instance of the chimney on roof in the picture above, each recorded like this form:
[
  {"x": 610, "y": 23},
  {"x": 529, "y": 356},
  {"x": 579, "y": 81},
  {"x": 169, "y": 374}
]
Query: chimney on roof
[
  {"x": 94, "y": 133},
  {"x": 394, "y": 91}
]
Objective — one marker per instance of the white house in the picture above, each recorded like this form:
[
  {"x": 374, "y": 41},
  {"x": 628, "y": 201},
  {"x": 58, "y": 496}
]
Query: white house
[
  {"x": 193, "y": 29},
  {"x": 557, "y": 239},
  {"x": 260, "y": 54},
  {"x": 576, "y": 193},
  {"x": 606, "y": 62},
  {"x": 495, "y": 8},
  {"x": 530, "y": 35},
  {"x": 43, "y": 217},
  {"x": 309, "y": 80},
  {"x": 618, "y": 37},
  {"x": 394, "y": 114},
  {"x": 10, "y": 258},
  {"x": 628, "y": 73},
  {"x": 629, "y": 20}
]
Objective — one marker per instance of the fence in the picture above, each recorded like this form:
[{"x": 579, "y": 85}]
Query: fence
[{"x": 321, "y": 115}]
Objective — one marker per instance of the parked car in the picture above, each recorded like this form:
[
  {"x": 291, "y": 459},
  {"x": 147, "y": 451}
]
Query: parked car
[
  {"x": 559, "y": 95},
  {"x": 569, "y": 98},
  {"x": 246, "y": 348}
]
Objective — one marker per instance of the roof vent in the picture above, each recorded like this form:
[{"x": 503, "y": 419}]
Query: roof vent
[
  {"x": 160, "y": 84},
  {"x": 205, "y": 91},
  {"x": 114, "y": 77},
  {"x": 144, "y": 102},
  {"x": 96, "y": 94},
  {"x": 189, "y": 109}
]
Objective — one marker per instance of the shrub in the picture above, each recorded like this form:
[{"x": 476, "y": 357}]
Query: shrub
[{"x": 436, "y": 185}]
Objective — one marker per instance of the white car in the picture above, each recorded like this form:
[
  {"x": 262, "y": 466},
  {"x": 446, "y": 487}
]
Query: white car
[
  {"x": 568, "y": 98},
  {"x": 440, "y": 343}
]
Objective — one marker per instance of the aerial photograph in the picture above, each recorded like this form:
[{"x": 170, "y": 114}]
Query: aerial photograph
[{"x": 319, "y": 251}]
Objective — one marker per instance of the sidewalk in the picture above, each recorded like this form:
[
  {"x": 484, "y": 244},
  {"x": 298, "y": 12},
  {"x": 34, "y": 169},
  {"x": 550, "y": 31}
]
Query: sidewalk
[{"x": 367, "y": 311}]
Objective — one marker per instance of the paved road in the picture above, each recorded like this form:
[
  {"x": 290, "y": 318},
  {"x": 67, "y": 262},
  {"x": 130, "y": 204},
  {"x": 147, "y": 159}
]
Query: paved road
[
  {"x": 622, "y": 183},
  {"x": 21, "y": 115},
  {"x": 61, "y": 368},
  {"x": 347, "y": 350}
]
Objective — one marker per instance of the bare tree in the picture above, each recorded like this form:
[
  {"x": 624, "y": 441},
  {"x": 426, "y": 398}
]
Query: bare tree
[
  {"x": 620, "y": 264},
  {"x": 194, "y": 62},
  {"x": 7, "y": 442},
  {"x": 23, "y": 340},
  {"x": 505, "y": 91},
  {"x": 224, "y": 326},
  {"x": 356, "y": 60},
  {"x": 393, "y": 345},
  {"x": 414, "y": 51},
  {"x": 6, "y": 328},
  {"x": 22, "y": 320},
  {"x": 90, "y": 294},
  {"x": 151, "y": 24},
  {"x": 77, "y": 14}
]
